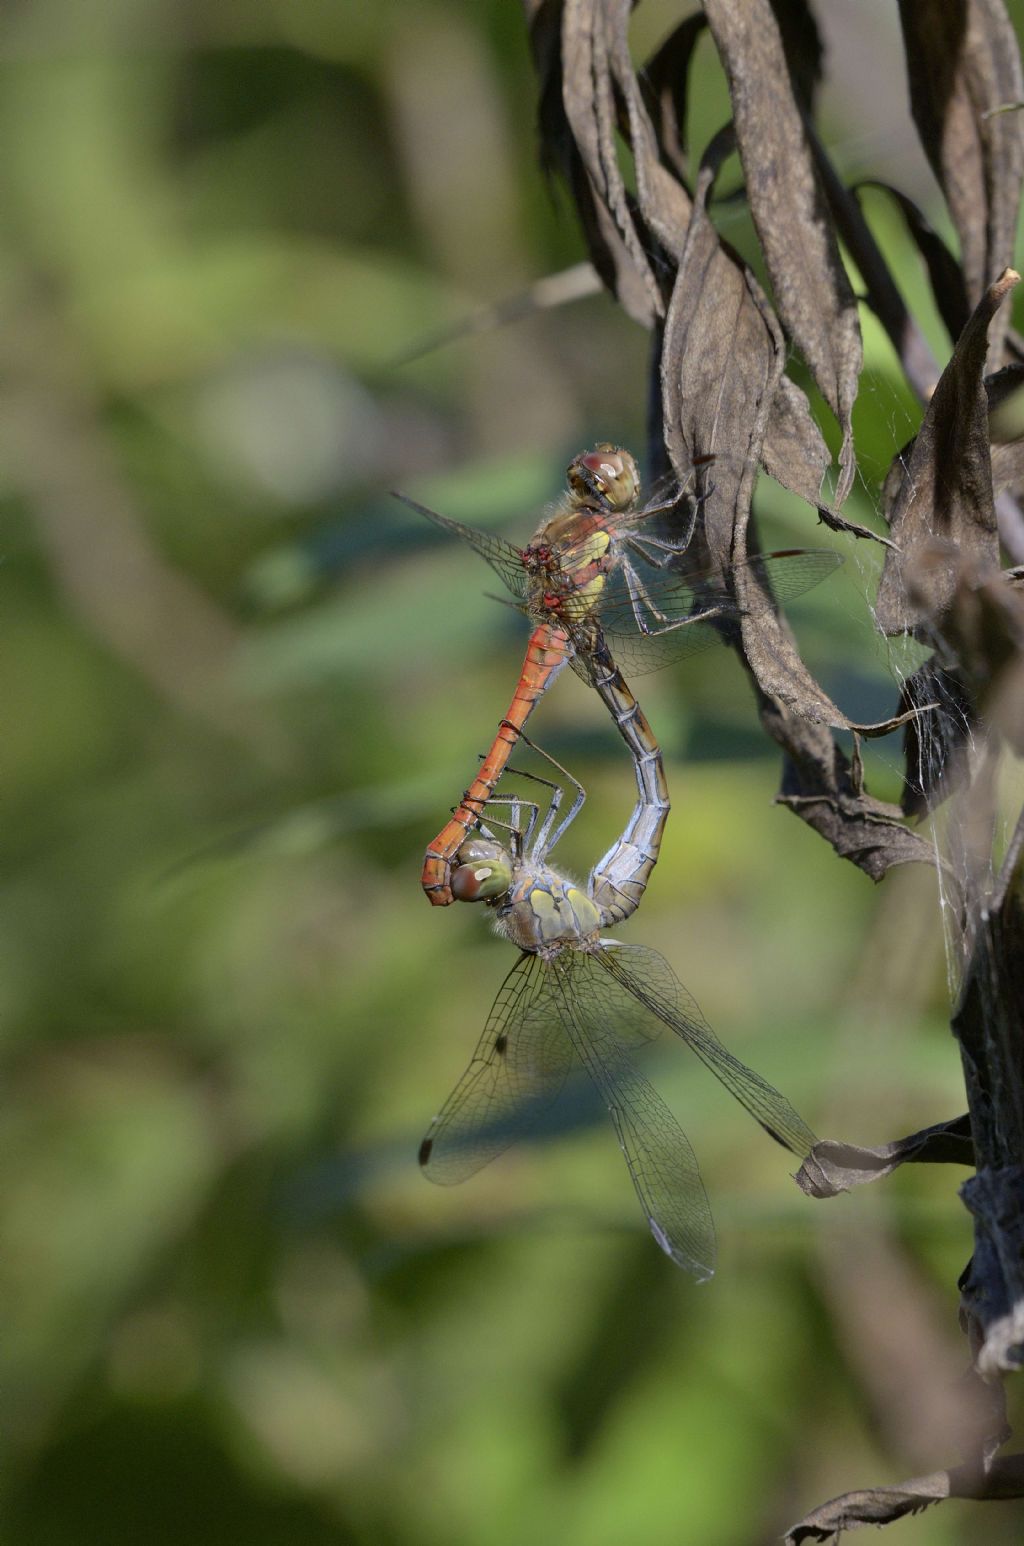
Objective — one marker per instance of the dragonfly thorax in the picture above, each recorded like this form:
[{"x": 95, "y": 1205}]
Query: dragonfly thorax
[
  {"x": 545, "y": 911},
  {"x": 568, "y": 569},
  {"x": 535, "y": 907}
]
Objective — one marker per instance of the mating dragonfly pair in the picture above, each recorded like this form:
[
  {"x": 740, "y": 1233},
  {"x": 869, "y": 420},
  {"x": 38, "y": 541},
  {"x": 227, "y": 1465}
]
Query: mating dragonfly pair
[{"x": 599, "y": 584}]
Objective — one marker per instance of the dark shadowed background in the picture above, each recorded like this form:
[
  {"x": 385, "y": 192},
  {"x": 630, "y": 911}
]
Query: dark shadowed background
[{"x": 240, "y": 688}]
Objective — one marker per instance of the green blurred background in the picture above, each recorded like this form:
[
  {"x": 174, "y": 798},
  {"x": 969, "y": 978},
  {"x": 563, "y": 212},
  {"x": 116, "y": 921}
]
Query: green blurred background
[{"x": 241, "y": 686}]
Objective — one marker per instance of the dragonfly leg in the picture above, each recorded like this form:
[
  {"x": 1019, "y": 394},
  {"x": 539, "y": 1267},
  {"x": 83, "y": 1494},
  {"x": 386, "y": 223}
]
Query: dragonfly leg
[
  {"x": 655, "y": 551},
  {"x": 515, "y": 800},
  {"x": 554, "y": 801},
  {"x": 546, "y": 843},
  {"x": 517, "y": 836},
  {"x": 639, "y": 597}
]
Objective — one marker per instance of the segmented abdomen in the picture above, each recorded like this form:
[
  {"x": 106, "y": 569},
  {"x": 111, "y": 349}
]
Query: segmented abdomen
[{"x": 619, "y": 879}]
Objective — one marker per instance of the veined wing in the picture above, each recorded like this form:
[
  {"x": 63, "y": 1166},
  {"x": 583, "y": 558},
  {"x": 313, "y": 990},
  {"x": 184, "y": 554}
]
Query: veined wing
[
  {"x": 518, "y": 1068},
  {"x": 672, "y": 616},
  {"x": 661, "y": 1162},
  {"x": 649, "y": 980},
  {"x": 503, "y": 558}
]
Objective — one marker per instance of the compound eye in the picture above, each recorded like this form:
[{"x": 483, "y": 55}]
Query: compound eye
[
  {"x": 482, "y": 880},
  {"x": 614, "y": 473}
]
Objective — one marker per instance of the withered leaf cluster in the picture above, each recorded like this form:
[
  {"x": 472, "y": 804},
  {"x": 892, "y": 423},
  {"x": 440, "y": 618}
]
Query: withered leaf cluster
[
  {"x": 615, "y": 131},
  {"x": 721, "y": 345}
]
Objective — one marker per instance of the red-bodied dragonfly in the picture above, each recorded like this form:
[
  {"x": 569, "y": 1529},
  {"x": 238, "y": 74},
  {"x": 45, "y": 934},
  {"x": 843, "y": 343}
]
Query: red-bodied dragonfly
[
  {"x": 596, "y": 572},
  {"x": 574, "y": 996}
]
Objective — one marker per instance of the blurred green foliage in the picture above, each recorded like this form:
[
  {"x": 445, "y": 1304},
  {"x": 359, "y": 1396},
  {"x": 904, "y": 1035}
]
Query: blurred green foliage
[{"x": 240, "y": 689}]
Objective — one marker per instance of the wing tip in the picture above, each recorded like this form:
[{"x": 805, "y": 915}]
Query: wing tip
[{"x": 699, "y": 1270}]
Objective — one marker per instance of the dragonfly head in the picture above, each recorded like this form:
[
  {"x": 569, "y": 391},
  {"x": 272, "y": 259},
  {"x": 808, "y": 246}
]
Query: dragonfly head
[
  {"x": 606, "y": 475},
  {"x": 483, "y": 873}
]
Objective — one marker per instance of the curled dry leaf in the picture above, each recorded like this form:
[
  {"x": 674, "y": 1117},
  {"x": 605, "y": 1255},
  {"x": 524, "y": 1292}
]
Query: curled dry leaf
[
  {"x": 803, "y": 48},
  {"x": 624, "y": 271},
  {"x": 962, "y": 62},
  {"x": 1005, "y": 392},
  {"x": 984, "y": 628},
  {"x": 1004, "y": 1478},
  {"x": 988, "y": 1026},
  {"x": 721, "y": 324},
  {"x": 912, "y": 348},
  {"x": 819, "y": 785},
  {"x": 590, "y": 64},
  {"x": 945, "y": 488},
  {"x": 665, "y": 80},
  {"x": 833, "y": 1167},
  {"x": 810, "y": 287},
  {"x": 944, "y": 272},
  {"x": 722, "y": 349},
  {"x": 980, "y": 636}
]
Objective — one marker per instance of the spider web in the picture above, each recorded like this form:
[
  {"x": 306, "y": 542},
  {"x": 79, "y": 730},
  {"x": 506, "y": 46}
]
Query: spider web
[{"x": 973, "y": 789}]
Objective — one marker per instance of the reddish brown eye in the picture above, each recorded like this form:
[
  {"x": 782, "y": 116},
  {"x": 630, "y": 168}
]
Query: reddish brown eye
[
  {"x": 601, "y": 464},
  {"x": 465, "y": 885},
  {"x": 483, "y": 876}
]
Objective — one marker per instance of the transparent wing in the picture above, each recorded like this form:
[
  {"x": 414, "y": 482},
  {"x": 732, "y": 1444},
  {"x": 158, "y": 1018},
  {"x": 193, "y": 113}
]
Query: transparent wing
[
  {"x": 663, "y": 1167},
  {"x": 647, "y": 977},
  {"x": 663, "y": 619},
  {"x": 518, "y": 1068},
  {"x": 503, "y": 558},
  {"x": 636, "y": 654}
]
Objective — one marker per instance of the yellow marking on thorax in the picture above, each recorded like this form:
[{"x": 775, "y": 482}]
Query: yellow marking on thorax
[
  {"x": 549, "y": 912},
  {"x": 587, "y": 915},
  {"x": 591, "y": 550}
]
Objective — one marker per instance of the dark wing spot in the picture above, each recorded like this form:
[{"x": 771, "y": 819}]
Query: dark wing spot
[
  {"x": 425, "y": 1148},
  {"x": 501, "y": 1042},
  {"x": 773, "y": 1134}
]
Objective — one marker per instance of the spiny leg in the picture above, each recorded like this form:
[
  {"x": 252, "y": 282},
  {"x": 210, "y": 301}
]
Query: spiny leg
[
  {"x": 517, "y": 836},
  {"x": 544, "y": 844},
  {"x": 516, "y": 801},
  {"x": 639, "y": 598},
  {"x": 662, "y": 543}
]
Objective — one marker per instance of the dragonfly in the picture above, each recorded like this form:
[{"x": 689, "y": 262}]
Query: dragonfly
[
  {"x": 577, "y": 996},
  {"x": 596, "y": 573}
]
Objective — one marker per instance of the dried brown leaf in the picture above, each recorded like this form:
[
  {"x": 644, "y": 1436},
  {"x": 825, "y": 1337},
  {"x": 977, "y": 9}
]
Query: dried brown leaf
[
  {"x": 975, "y": 680},
  {"x": 662, "y": 200},
  {"x": 985, "y": 630},
  {"x": 794, "y": 452},
  {"x": 919, "y": 363},
  {"x": 944, "y": 272},
  {"x": 820, "y": 786},
  {"x": 717, "y": 356},
  {"x": 719, "y": 347},
  {"x": 802, "y": 45},
  {"x": 616, "y": 256},
  {"x": 588, "y": 33},
  {"x": 836, "y": 522},
  {"x": 945, "y": 488},
  {"x": 962, "y": 62},
  {"x": 1005, "y": 392},
  {"x": 833, "y": 1167},
  {"x": 722, "y": 349},
  {"x": 1004, "y": 1478},
  {"x": 665, "y": 82},
  {"x": 811, "y": 291},
  {"x": 989, "y": 1024}
]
